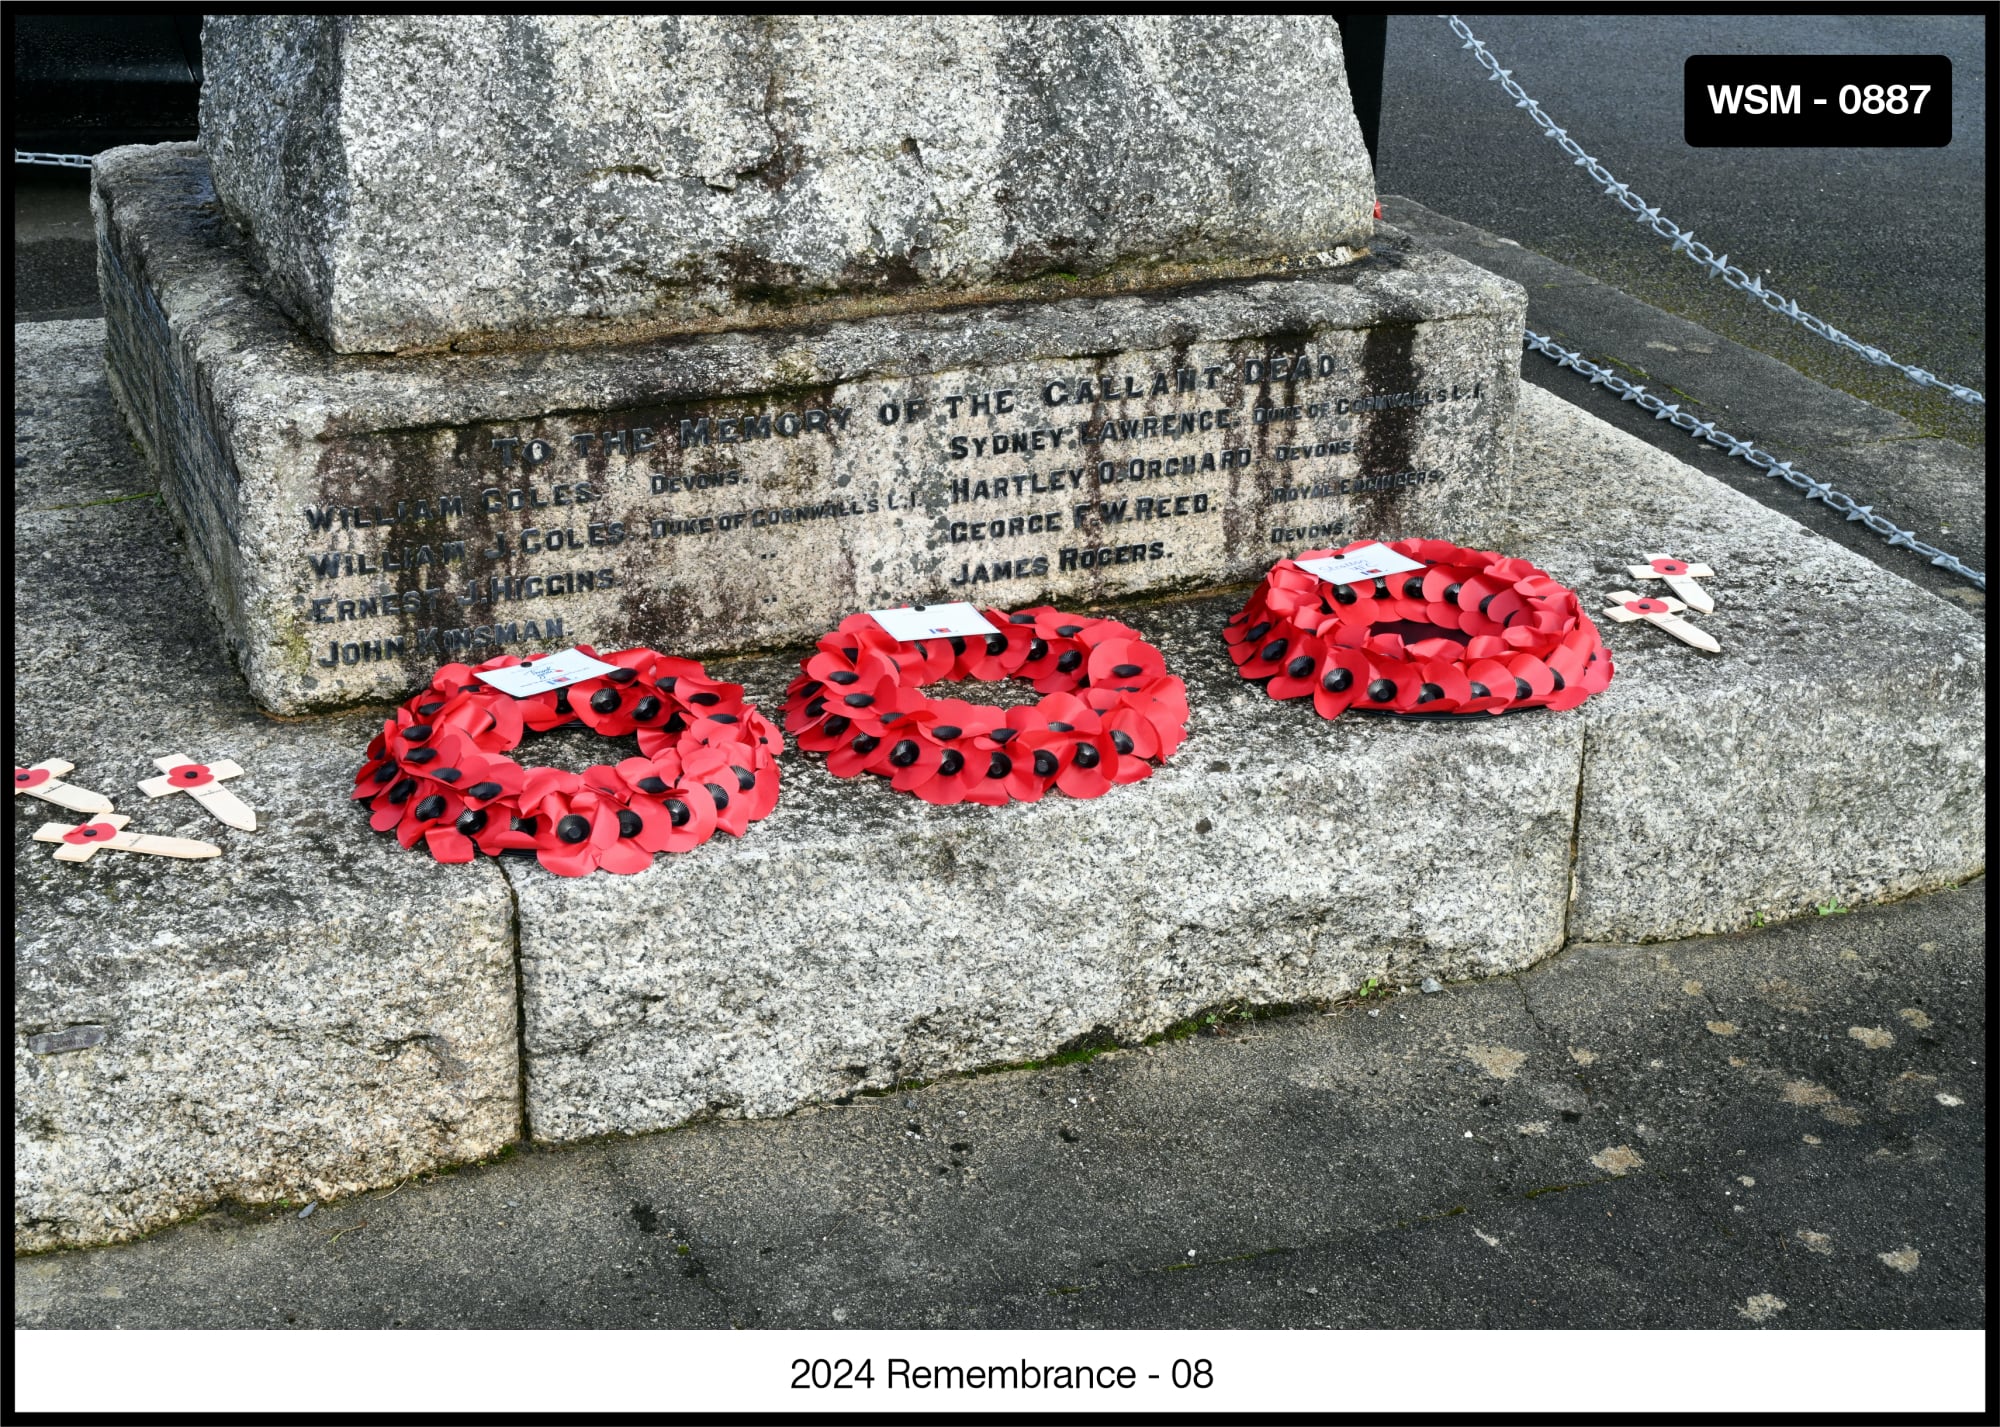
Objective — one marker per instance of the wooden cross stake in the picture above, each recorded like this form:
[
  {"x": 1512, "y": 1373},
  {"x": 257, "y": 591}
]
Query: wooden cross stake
[
  {"x": 179, "y": 774},
  {"x": 1626, "y": 606},
  {"x": 1679, "y": 575},
  {"x": 80, "y": 843},
  {"x": 44, "y": 781}
]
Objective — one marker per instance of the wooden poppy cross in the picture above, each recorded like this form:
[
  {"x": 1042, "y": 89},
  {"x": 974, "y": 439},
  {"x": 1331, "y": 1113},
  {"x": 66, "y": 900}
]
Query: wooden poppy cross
[
  {"x": 44, "y": 781},
  {"x": 179, "y": 774},
  {"x": 1679, "y": 575},
  {"x": 1658, "y": 610},
  {"x": 80, "y": 843}
]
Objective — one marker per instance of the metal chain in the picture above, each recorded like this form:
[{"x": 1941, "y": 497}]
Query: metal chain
[
  {"x": 1684, "y": 241},
  {"x": 1763, "y": 460},
  {"x": 24, "y": 156}
]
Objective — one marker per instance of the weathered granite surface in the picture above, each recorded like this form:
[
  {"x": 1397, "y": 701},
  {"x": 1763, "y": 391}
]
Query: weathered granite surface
[
  {"x": 418, "y": 182},
  {"x": 743, "y": 491},
  {"x": 309, "y": 1014},
  {"x": 858, "y": 938},
  {"x": 1834, "y": 751}
]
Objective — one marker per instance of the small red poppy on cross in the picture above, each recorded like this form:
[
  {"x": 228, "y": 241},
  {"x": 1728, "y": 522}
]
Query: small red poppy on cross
[
  {"x": 202, "y": 781},
  {"x": 45, "y": 781},
  {"x": 1627, "y": 606},
  {"x": 1679, "y": 575},
  {"x": 81, "y": 843}
]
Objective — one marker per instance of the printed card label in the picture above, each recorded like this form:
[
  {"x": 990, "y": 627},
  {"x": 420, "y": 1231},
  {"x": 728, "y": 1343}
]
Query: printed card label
[
  {"x": 937, "y": 621},
  {"x": 558, "y": 671},
  {"x": 1367, "y": 563}
]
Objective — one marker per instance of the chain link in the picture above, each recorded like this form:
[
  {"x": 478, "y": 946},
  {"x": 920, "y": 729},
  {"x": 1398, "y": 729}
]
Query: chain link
[
  {"x": 1684, "y": 241},
  {"x": 25, "y": 156},
  {"x": 1761, "y": 459}
]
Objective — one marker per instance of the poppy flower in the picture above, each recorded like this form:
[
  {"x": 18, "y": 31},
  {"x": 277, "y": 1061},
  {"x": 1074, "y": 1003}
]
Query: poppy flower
[
  {"x": 1395, "y": 686},
  {"x": 996, "y": 656},
  {"x": 1085, "y": 757},
  {"x": 644, "y": 828},
  {"x": 89, "y": 833},
  {"x": 649, "y": 777},
  {"x": 547, "y": 711},
  {"x": 1124, "y": 664},
  {"x": 689, "y": 698},
  {"x": 691, "y": 816},
  {"x": 538, "y": 785},
  {"x": 1342, "y": 677},
  {"x": 861, "y": 752},
  {"x": 480, "y": 778},
  {"x": 1444, "y": 687},
  {"x": 1298, "y": 671},
  {"x": 731, "y": 786},
  {"x": 453, "y": 679},
  {"x": 26, "y": 778},
  {"x": 1530, "y": 674},
  {"x": 851, "y": 646},
  {"x": 1489, "y": 686},
  {"x": 755, "y": 769},
  {"x": 1057, "y": 652},
  {"x": 387, "y": 806},
  {"x": 426, "y": 809},
  {"x": 378, "y": 770},
  {"x": 574, "y": 828},
  {"x": 960, "y": 733},
  {"x": 611, "y": 704},
  {"x": 679, "y": 812},
  {"x": 491, "y": 829}
]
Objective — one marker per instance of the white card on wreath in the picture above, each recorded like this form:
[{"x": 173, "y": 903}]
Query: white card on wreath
[
  {"x": 937, "y": 621},
  {"x": 558, "y": 671},
  {"x": 1367, "y": 563}
]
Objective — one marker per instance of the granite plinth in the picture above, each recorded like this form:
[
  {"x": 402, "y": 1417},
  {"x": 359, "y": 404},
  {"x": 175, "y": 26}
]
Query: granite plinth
[
  {"x": 858, "y": 938},
  {"x": 423, "y": 182},
  {"x": 1834, "y": 752},
  {"x": 358, "y": 520},
  {"x": 308, "y": 1014},
  {"x": 855, "y": 939}
]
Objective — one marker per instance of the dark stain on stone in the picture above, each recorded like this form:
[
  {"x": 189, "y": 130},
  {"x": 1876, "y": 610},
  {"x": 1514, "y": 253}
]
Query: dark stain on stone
[
  {"x": 645, "y": 1218},
  {"x": 1385, "y": 441}
]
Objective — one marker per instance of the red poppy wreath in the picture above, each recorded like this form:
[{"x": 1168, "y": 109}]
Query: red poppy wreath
[
  {"x": 438, "y": 773},
  {"x": 1471, "y": 632},
  {"x": 1109, "y": 708}
]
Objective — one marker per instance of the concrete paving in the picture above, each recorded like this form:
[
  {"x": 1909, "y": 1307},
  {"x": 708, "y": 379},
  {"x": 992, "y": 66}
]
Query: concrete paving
[
  {"x": 55, "y": 253},
  {"x": 1888, "y": 244},
  {"x": 1779, "y": 1129}
]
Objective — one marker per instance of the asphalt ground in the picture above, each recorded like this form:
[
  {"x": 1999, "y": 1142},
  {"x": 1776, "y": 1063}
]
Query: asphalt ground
[
  {"x": 1926, "y": 484},
  {"x": 1887, "y": 244},
  {"x": 1784, "y": 1129}
]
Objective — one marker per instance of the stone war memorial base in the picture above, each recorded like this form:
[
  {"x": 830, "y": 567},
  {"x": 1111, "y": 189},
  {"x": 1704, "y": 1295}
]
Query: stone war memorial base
[
  {"x": 357, "y": 520},
  {"x": 318, "y": 1012}
]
